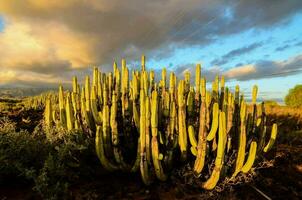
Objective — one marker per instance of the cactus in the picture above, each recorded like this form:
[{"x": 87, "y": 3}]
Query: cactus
[
  {"x": 141, "y": 124},
  {"x": 197, "y": 82},
  {"x": 192, "y": 140},
  {"x": 215, "y": 119},
  {"x": 69, "y": 113},
  {"x": 242, "y": 140},
  {"x": 48, "y": 113},
  {"x": 272, "y": 139},
  {"x": 202, "y": 143},
  {"x": 62, "y": 107},
  {"x": 251, "y": 158},
  {"x": 213, "y": 180},
  {"x": 74, "y": 84},
  {"x": 182, "y": 138},
  {"x": 144, "y": 168},
  {"x": 157, "y": 157},
  {"x": 143, "y": 63},
  {"x": 99, "y": 144},
  {"x": 94, "y": 108}
]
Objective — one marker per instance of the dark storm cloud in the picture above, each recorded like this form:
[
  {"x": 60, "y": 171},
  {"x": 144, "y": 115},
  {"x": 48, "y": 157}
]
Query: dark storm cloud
[{"x": 116, "y": 29}]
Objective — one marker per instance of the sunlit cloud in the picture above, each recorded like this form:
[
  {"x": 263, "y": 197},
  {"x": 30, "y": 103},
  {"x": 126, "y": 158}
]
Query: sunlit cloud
[
  {"x": 259, "y": 70},
  {"x": 44, "y": 39},
  {"x": 240, "y": 71}
]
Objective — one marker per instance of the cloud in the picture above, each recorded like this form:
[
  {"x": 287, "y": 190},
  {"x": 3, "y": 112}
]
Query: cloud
[
  {"x": 54, "y": 37},
  {"x": 23, "y": 44},
  {"x": 266, "y": 69},
  {"x": 289, "y": 44},
  {"x": 282, "y": 48},
  {"x": 244, "y": 70},
  {"x": 237, "y": 52},
  {"x": 298, "y": 44},
  {"x": 7, "y": 76},
  {"x": 30, "y": 79},
  {"x": 259, "y": 70}
]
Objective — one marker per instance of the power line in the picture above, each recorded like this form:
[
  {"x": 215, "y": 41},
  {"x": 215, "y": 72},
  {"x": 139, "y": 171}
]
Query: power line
[
  {"x": 285, "y": 72},
  {"x": 179, "y": 30},
  {"x": 206, "y": 24},
  {"x": 176, "y": 19}
]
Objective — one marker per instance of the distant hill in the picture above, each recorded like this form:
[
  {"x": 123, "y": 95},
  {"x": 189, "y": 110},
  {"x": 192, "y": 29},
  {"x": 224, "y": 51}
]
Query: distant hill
[{"x": 22, "y": 92}]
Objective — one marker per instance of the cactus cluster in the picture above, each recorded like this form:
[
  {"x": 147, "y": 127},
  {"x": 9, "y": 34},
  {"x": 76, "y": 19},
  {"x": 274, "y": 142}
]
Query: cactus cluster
[
  {"x": 38, "y": 102},
  {"x": 148, "y": 126}
]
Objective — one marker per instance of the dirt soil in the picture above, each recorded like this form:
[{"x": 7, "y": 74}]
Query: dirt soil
[
  {"x": 281, "y": 178},
  {"x": 24, "y": 119}
]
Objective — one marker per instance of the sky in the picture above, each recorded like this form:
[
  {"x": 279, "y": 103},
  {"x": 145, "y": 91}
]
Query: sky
[{"x": 44, "y": 43}]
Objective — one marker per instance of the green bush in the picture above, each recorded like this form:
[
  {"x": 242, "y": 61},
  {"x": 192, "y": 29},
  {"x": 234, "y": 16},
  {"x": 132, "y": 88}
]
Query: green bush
[
  {"x": 68, "y": 163},
  {"x": 294, "y": 97},
  {"x": 21, "y": 154},
  {"x": 51, "y": 164}
]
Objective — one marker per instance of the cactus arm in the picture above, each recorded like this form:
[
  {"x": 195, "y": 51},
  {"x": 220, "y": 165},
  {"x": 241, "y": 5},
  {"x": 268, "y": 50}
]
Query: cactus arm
[
  {"x": 115, "y": 136},
  {"x": 48, "y": 113},
  {"x": 242, "y": 141},
  {"x": 214, "y": 178},
  {"x": 156, "y": 156},
  {"x": 94, "y": 108},
  {"x": 74, "y": 84},
  {"x": 272, "y": 139},
  {"x": 69, "y": 113},
  {"x": 190, "y": 102},
  {"x": 262, "y": 129},
  {"x": 214, "y": 125},
  {"x": 197, "y": 82},
  {"x": 192, "y": 138},
  {"x": 144, "y": 168},
  {"x": 251, "y": 157},
  {"x": 87, "y": 117},
  {"x": 182, "y": 138},
  {"x": 148, "y": 131},
  {"x": 62, "y": 107},
  {"x": 202, "y": 142},
  {"x": 99, "y": 145},
  {"x": 143, "y": 63}
]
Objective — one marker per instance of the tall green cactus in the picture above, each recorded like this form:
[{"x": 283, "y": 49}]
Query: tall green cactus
[
  {"x": 202, "y": 142},
  {"x": 141, "y": 124},
  {"x": 48, "y": 113},
  {"x": 182, "y": 138},
  {"x": 62, "y": 110}
]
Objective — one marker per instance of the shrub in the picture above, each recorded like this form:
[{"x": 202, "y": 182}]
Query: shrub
[
  {"x": 294, "y": 97},
  {"x": 51, "y": 164},
  {"x": 271, "y": 103},
  {"x": 21, "y": 154},
  {"x": 69, "y": 161}
]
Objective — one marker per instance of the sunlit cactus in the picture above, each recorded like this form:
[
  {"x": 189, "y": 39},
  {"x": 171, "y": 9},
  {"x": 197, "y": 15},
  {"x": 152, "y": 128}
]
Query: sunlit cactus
[{"x": 141, "y": 124}]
